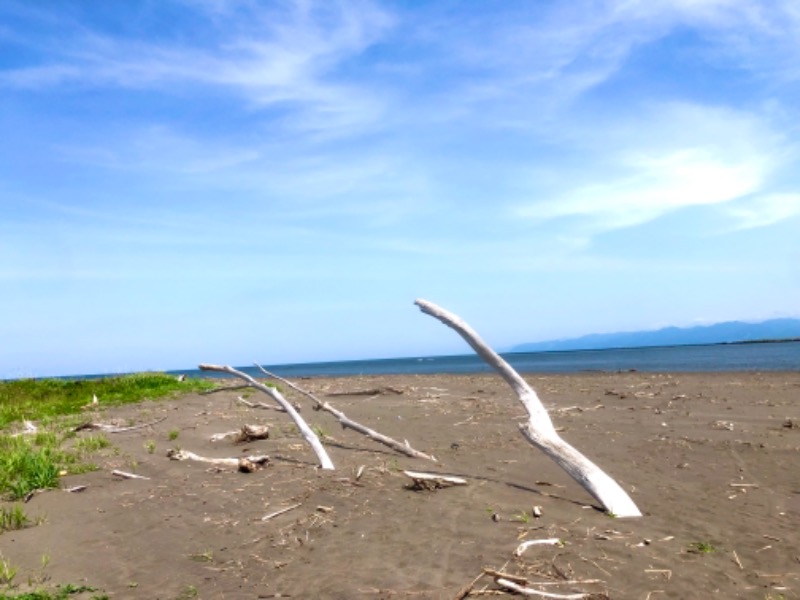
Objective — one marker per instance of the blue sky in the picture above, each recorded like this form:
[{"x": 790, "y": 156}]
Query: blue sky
[{"x": 209, "y": 181}]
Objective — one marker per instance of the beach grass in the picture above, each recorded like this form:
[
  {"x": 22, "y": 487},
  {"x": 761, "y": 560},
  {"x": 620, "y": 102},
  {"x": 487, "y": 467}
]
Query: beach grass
[
  {"x": 35, "y": 460},
  {"x": 36, "y": 399}
]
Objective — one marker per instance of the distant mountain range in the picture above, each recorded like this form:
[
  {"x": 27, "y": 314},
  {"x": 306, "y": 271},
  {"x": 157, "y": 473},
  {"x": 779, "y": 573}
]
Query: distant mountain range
[{"x": 721, "y": 333}]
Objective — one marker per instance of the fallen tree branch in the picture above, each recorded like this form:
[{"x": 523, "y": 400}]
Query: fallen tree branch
[
  {"x": 246, "y": 464},
  {"x": 349, "y": 423},
  {"x": 539, "y": 429},
  {"x": 310, "y": 437}
]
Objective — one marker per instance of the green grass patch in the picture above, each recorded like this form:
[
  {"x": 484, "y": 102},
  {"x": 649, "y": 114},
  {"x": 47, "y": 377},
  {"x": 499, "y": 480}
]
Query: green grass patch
[
  {"x": 91, "y": 444},
  {"x": 38, "y": 399},
  {"x": 25, "y": 467},
  {"x": 701, "y": 548},
  {"x": 14, "y": 517}
]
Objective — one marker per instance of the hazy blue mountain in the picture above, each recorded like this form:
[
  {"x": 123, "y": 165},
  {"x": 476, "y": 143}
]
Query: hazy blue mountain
[{"x": 720, "y": 333}]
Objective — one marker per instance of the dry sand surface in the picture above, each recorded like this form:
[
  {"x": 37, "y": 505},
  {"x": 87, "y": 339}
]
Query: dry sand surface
[{"x": 711, "y": 459}]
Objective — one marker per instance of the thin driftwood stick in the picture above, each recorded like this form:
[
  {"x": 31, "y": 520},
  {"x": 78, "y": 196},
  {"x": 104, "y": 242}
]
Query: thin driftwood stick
[
  {"x": 433, "y": 480},
  {"x": 280, "y": 512},
  {"x": 310, "y": 437},
  {"x": 126, "y": 475},
  {"x": 114, "y": 429},
  {"x": 263, "y": 405},
  {"x": 539, "y": 429},
  {"x": 525, "y": 545},
  {"x": 526, "y": 591},
  {"x": 349, "y": 423}
]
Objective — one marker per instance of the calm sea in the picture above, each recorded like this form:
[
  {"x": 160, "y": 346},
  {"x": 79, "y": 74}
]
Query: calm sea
[{"x": 772, "y": 356}]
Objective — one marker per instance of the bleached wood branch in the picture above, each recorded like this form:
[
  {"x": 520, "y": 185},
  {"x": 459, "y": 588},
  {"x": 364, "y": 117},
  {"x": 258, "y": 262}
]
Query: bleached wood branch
[
  {"x": 346, "y": 422},
  {"x": 243, "y": 463},
  {"x": 526, "y": 591},
  {"x": 539, "y": 429},
  {"x": 433, "y": 480},
  {"x": 310, "y": 437}
]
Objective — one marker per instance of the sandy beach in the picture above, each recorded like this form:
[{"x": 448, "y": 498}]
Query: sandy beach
[{"x": 710, "y": 459}]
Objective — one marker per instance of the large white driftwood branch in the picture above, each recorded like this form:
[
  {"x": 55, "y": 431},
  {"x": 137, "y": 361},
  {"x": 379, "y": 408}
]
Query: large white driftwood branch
[
  {"x": 539, "y": 429},
  {"x": 310, "y": 437},
  {"x": 349, "y": 423}
]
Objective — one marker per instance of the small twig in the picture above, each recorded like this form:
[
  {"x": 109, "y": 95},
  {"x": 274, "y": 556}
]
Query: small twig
[
  {"x": 433, "y": 480},
  {"x": 526, "y": 591},
  {"x": 736, "y": 559},
  {"x": 467, "y": 589},
  {"x": 264, "y": 405},
  {"x": 280, "y": 512},
  {"x": 501, "y": 575},
  {"x": 126, "y": 475},
  {"x": 525, "y": 545},
  {"x": 226, "y": 388},
  {"x": 76, "y": 488},
  {"x": 667, "y": 572}
]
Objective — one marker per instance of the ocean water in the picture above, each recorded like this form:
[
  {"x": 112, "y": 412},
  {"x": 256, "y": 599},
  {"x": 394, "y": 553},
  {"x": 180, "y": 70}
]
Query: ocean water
[{"x": 771, "y": 356}]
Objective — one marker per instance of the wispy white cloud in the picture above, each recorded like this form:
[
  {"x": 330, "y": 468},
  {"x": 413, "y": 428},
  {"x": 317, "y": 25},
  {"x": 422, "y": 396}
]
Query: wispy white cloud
[
  {"x": 674, "y": 156},
  {"x": 764, "y": 210},
  {"x": 269, "y": 55}
]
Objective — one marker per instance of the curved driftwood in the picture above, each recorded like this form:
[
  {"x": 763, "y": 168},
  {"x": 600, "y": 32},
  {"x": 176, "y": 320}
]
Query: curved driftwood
[
  {"x": 539, "y": 429},
  {"x": 310, "y": 437},
  {"x": 349, "y": 423}
]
